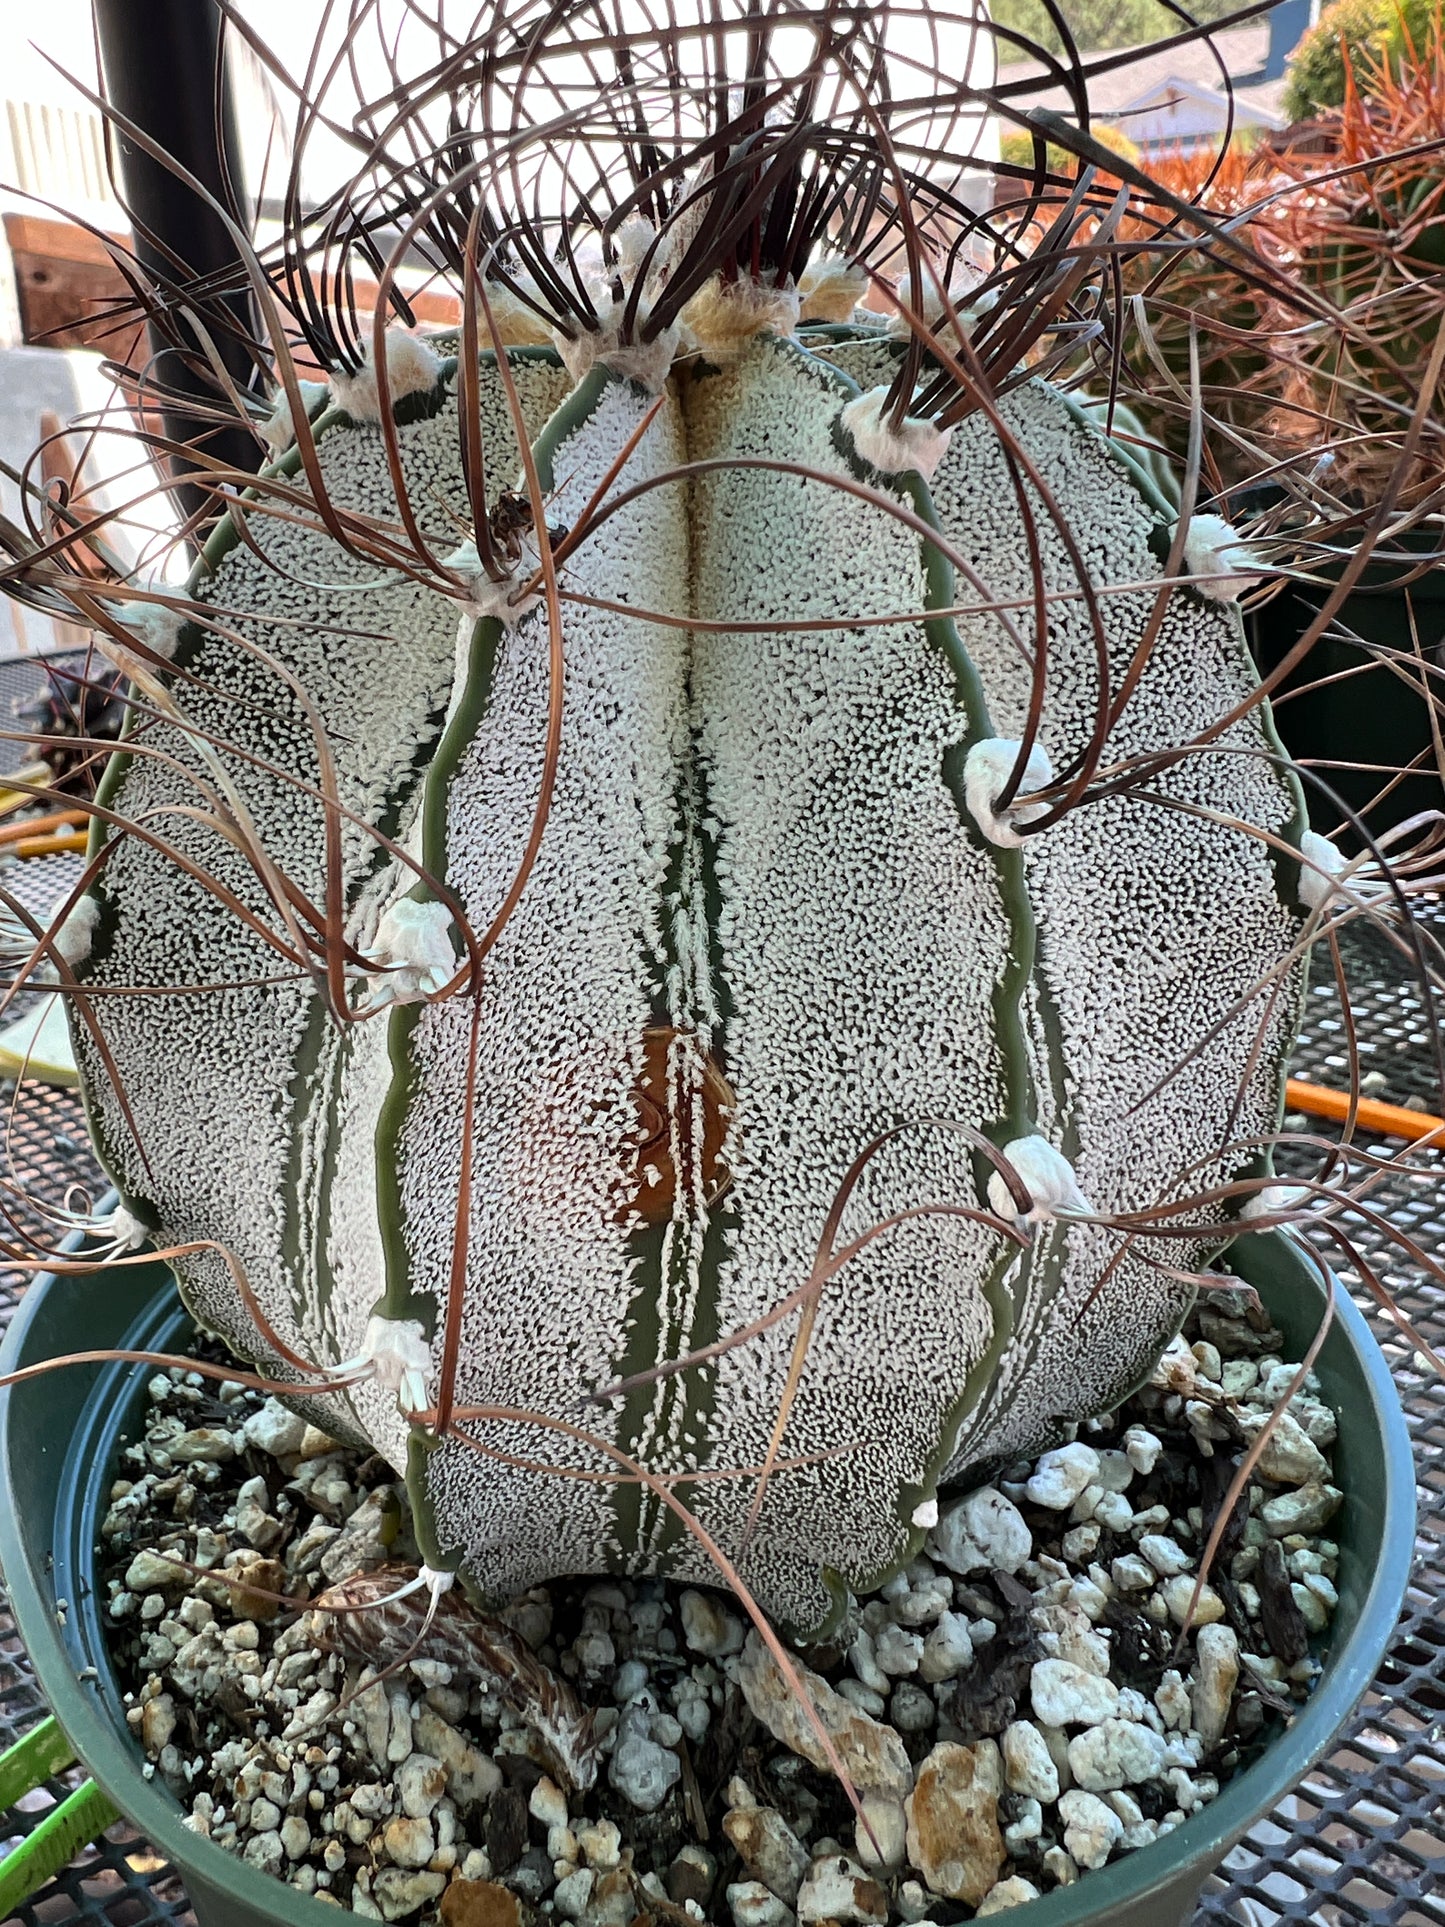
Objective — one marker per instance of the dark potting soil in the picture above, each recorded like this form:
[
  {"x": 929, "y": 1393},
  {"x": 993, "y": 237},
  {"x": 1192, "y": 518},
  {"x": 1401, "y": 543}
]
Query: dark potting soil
[{"x": 1019, "y": 1706}]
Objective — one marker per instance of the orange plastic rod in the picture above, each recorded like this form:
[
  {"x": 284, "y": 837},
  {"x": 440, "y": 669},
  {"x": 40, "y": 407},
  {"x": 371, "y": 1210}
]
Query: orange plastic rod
[
  {"x": 1389, "y": 1120},
  {"x": 41, "y": 825}
]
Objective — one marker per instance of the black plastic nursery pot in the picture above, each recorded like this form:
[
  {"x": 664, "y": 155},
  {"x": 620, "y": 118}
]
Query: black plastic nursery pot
[
  {"x": 60, "y": 1435},
  {"x": 1343, "y": 705}
]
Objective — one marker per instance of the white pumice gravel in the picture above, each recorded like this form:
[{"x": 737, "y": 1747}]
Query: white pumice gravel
[{"x": 1007, "y": 1704}]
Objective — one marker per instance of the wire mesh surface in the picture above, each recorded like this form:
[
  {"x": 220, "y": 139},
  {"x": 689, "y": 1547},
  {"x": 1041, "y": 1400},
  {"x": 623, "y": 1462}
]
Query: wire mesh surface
[{"x": 1361, "y": 1840}]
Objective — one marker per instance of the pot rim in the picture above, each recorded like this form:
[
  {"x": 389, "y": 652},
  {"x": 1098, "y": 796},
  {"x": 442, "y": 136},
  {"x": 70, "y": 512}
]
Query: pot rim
[{"x": 1192, "y": 1849}]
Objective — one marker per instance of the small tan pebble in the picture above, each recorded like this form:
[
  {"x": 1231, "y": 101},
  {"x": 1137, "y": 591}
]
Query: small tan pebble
[
  {"x": 601, "y": 1845},
  {"x": 953, "y": 1832},
  {"x": 1062, "y": 1866},
  {"x": 399, "y": 1891},
  {"x": 158, "y": 1722},
  {"x": 207, "y": 1445},
  {"x": 408, "y": 1842},
  {"x": 1028, "y": 1764},
  {"x": 836, "y": 1889},
  {"x": 479, "y": 1903},
  {"x": 420, "y": 1783},
  {"x": 886, "y": 1849},
  {"x": 1014, "y": 1892},
  {"x": 1215, "y": 1678},
  {"x": 873, "y": 1755},
  {"x": 1310, "y": 1509},
  {"x": 1177, "y": 1593},
  {"x": 708, "y": 1627},
  {"x": 768, "y": 1848},
  {"x": 295, "y": 1837},
  {"x": 148, "y": 1570},
  {"x": 548, "y": 1803}
]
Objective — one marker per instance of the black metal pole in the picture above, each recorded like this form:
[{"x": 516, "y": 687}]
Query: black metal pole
[{"x": 159, "y": 61}]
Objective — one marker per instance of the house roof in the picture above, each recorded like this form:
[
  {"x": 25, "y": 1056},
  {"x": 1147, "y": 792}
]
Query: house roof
[{"x": 1141, "y": 79}]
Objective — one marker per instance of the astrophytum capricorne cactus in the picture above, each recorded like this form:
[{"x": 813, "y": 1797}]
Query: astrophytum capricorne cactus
[
  {"x": 792, "y": 938},
  {"x": 772, "y": 916}
]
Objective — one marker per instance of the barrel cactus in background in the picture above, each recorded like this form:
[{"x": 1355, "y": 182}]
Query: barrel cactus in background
[{"x": 514, "y": 992}]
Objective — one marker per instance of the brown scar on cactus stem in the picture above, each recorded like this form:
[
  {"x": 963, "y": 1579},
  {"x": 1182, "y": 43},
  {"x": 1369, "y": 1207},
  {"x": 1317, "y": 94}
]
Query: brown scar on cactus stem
[{"x": 666, "y": 1098}]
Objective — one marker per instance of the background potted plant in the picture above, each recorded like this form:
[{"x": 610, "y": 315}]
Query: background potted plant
[{"x": 1304, "y": 417}]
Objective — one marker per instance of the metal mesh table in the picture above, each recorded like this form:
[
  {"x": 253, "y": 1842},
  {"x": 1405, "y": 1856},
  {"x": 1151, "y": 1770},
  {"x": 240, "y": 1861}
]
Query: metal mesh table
[{"x": 1363, "y": 1839}]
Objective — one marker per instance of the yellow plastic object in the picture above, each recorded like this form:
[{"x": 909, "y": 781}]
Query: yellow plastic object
[
  {"x": 38, "y": 1045},
  {"x": 68, "y": 843},
  {"x": 26, "y": 799}
]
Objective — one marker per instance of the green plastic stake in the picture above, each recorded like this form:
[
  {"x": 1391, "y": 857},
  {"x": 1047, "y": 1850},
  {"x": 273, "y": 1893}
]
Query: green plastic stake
[{"x": 53, "y": 1844}]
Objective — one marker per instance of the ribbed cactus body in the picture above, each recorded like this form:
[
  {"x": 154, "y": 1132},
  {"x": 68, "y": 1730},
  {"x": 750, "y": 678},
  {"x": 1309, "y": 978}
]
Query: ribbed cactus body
[{"x": 763, "y": 928}]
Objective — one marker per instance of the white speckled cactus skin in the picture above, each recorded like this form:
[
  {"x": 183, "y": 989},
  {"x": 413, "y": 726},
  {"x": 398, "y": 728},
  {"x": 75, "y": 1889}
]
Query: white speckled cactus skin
[{"x": 763, "y": 927}]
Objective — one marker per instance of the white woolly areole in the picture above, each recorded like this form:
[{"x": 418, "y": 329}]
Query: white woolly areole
[
  {"x": 75, "y": 936},
  {"x": 1275, "y": 1199},
  {"x": 278, "y": 430},
  {"x": 1212, "y": 548},
  {"x": 397, "y": 1350},
  {"x": 1320, "y": 864},
  {"x": 916, "y": 444},
  {"x": 482, "y": 598},
  {"x": 153, "y": 624},
  {"x": 158, "y": 626},
  {"x": 830, "y": 290},
  {"x": 926, "y": 1514},
  {"x": 412, "y": 367},
  {"x": 513, "y": 322},
  {"x": 1048, "y": 1177},
  {"x": 724, "y": 316},
  {"x": 645, "y": 362},
  {"x": 985, "y": 771},
  {"x": 632, "y": 240},
  {"x": 122, "y": 1228},
  {"x": 413, "y": 952},
  {"x": 928, "y": 303}
]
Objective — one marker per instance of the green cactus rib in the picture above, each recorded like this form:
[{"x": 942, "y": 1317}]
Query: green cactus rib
[
  {"x": 564, "y": 1006},
  {"x": 1170, "y": 918},
  {"x": 1031, "y": 1398},
  {"x": 705, "y": 1271},
  {"x": 244, "y": 1072}
]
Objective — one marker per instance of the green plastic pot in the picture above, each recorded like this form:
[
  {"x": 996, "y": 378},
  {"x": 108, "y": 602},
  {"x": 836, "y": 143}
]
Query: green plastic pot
[
  {"x": 60, "y": 1435},
  {"x": 1369, "y": 715}
]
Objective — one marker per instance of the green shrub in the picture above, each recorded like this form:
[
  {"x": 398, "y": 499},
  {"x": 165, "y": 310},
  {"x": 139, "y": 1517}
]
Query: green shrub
[
  {"x": 1097, "y": 23},
  {"x": 1360, "y": 33}
]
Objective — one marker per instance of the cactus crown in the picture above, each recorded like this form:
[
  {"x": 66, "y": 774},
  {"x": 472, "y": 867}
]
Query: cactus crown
[{"x": 701, "y": 904}]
